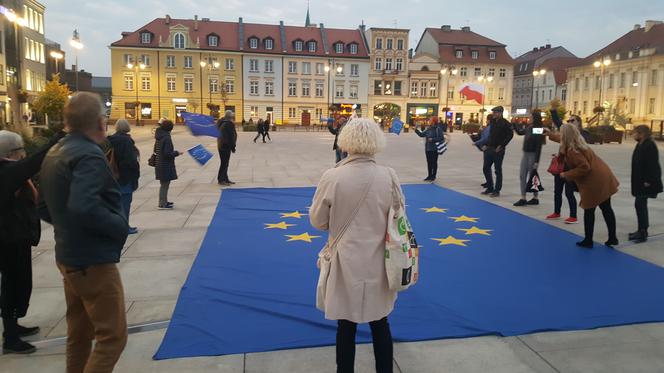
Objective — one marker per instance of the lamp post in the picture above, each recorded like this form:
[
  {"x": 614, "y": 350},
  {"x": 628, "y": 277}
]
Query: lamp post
[
  {"x": 482, "y": 79},
  {"x": 57, "y": 56},
  {"x": 329, "y": 88},
  {"x": 137, "y": 108},
  {"x": 210, "y": 64},
  {"x": 601, "y": 65},
  {"x": 536, "y": 73},
  {"x": 75, "y": 42},
  {"x": 447, "y": 71}
]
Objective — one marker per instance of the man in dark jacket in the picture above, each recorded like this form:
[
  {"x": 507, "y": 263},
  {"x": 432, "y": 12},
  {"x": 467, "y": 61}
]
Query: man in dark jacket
[
  {"x": 433, "y": 135},
  {"x": 126, "y": 160},
  {"x": 494, "y": 151},
  {"x": 646, "y": 179},
  {"x": 82, "y": 202},
  {"x": 339, "y": 154},
  {"x": 20, "y": 229},
  {"x": 226, "y": 144}
]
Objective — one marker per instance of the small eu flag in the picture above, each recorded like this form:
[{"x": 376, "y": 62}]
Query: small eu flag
[
  {"x": 397, "y": 126},
  {"x": 200, "y": 154},
  {"x": 200, "y": 124}
]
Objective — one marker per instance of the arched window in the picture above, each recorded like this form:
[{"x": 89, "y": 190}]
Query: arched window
[{"x": 178, "y": 41}]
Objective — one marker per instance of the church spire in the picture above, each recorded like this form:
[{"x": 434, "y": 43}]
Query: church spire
[{"x": 307, "y": 22}]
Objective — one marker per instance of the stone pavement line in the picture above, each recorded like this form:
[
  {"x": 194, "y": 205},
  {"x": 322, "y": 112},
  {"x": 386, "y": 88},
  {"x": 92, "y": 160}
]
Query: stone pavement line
[{"x": 518, "y": 337}]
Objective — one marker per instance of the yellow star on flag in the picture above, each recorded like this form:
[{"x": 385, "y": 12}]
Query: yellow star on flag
[
  {"x": 295, "y": 214},
  {"x": 464, "y": 218},
  {"x": 434, "y": 209},
  {"x": 451, "y": 241},
  {"x": 280, "y": 225},
  {"x": 301, "y": 237},
  {"x": 475, "y": 230}
]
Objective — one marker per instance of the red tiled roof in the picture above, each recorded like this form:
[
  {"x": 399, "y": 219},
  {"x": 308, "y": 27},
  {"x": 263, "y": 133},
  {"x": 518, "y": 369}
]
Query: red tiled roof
[
  {"x": 305, "y": 34},
  {"x": 535, "y": 55},
  {"x": 460, "y": 37},
  {"x": 448, "y": 54},
  {"x": 347, "y": 36},
  {"x": 262, "y": 32},
  {"x": 633, "y": 40},
  {"x": 559, "y": 67}
]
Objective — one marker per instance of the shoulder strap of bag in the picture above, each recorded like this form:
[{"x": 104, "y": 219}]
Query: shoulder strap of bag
[
  {"x": 344, "y": 228},
  {"x": 397, "y": 197}
]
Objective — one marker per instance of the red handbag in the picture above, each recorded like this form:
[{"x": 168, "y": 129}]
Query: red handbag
[{"x": 557, "y": 165}]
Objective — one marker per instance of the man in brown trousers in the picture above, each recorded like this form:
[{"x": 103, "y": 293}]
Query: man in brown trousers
[{"x": 83, "y": 203}]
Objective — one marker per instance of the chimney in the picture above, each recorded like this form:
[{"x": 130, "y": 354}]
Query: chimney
[
  {"x": 168, "y": 19},
  {"x": 541, "y": 48},
  {"x": 650, "y": 24},
  {"x": 535, "y": 49},
  {"x": 195, "y": 22},
  {"x": 240, "y": 33},
  {"x": 637, "y": 26},
  {"x": 465, "y": 29},
  {"x": 125, "y": 34},
  {"x": 205, "y": 20},
  {"x": 446, "y": 28},
  {"x": 410, "y": 54},
  {"x": 548, "y": 46}
]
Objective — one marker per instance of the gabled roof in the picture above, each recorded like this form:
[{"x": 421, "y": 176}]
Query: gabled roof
[
  {"x": 536, "y": 53},
  {"x": 450, "y": 41},
  {"x": 262, "y": 31},
  {"x": 636, "y": 39},
  {"x": 460, "y": 37},
  {"x": 559, "y": 66},
  {"x": 347, "y": 36}
]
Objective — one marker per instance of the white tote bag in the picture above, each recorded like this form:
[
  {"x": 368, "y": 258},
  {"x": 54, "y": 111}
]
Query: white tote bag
[{"x": 401, "y": 250}]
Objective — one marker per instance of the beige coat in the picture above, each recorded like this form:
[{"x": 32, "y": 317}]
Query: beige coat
[{"x": 357, "y": 289}]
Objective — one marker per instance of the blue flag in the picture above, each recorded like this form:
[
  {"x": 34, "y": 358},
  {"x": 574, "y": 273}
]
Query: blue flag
[
  {"x": 200, "y": 125},
  {"x": 200, "y": 154},
  {"x": 397, "y": 126}
]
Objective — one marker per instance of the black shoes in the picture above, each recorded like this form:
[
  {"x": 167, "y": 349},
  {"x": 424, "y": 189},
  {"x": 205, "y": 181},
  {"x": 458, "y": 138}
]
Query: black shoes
[
  {"x": 611, "y": 242},
  {"x": 428, "y": 178},
  {"x": 17, "y": 347},
  {"x": 639, "y": 236},
  {"x": 167, "y": 206},
  {"x": 533, "y": 202},
  {"x": 521, "y": 202},
  {"x": 226, "y": 183},
  {"x": 588, "y": 244},
  {"x": 487, "y": 192},
  {"x": 494, "y": 194},
  {"x": 26, "y": 332},
  {"x": 484, "y": 185}
]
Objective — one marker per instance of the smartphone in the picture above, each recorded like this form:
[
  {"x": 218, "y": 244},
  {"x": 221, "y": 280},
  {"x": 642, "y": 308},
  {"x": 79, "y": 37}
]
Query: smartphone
[{"x": 538, "y": 131}]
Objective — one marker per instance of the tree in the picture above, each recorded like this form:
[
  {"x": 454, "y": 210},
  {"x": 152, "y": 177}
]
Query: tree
[{"x": 51, "y": 101}]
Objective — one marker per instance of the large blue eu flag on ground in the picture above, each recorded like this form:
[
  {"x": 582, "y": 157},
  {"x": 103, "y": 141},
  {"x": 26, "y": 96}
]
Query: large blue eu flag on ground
[
  {"x": 200, "y": 124},
  {"x": 483, "y": 270}
]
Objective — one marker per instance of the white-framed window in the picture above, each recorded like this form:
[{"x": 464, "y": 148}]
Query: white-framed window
[
  {"x": 292, "y": 89},
  {"x": 492, "y": 71},
  {"x": 312, "y": 46},
  {"x": 213, "y": 83},
  {"x": 269, "y": 66},
  {"x": 292, "y": 112},
  {"x": 463, "y": 71},
  {"x": 128, "y": 58},
  {"x": 378, "y": 63},
  {"x": 501, "y": 93},
  {"x": 188, "y": 83},
  {"x": 253, "y": 65},
  {"x": 306, "y": 68},
  {"x": 450, "y": 93},
  {"x": 269, "y": 44},
  {"x": 253, "y": 43},
  {"x": 306, "y": 89},
  {"x": 170, "y": 61},
  {"x": 379, "y": 43},
  {"x": 145, "y": 58},
  {"x": 292, "y": 67},
  {"x": 503, "y": 73},
  {"x": 269, "y": 88},
  {"x": 389, "y": 44},
  {"x": 179, "y": 41},
  {"x": 478, "y": 71},
  {"x": 145, "y": 82},
  {"x": 354, "y": 69},
  {"x": 230, "y": 85},
  {"x": 388, "y": 63},
  {"x": 651, "y": 106},
  {"x": 320, "y": 69},
  {"x": 146, "y": 38},
  {"x": 423, "y": 89},
  {"x": 492, "y": 55},
  {"x": 353, "y": 90},
  {"x": 339, "y": 90},
  {"x": 433, "y": 89},
  {"x": 653, "y": 78},
  {"x": 399, "y": 64},
  {"x": 230, "y": 64},
  {"x": 171, "y": 83},
  {"x": 340, "y": 69},
  {"x": 128, "y": 81},
  {"x": 458, "y": 53},
  {"x": 188, "y": 62},
  {"x": 319, "y": 113},
  {"x": 253, "y": 111},
  {"x": 353, "y": 48},
  {"x": 635, "y": 77},
  {"x": 320, "y": 88},
  {"x": 253, "y": 87},
  {"x": 400, "y": 44},
  {"x": 213, "y": 40},
  {"x": 298, "y": 45},
  {"x": 413, "y": 88},
  {"x": 339, "y": 47},
  {"x": 474, "y": 55}
]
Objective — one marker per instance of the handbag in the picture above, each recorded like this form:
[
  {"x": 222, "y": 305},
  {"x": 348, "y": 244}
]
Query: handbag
[
  {"x": 401, "y": 250},
  {"x": 330, "y": 250},
  {"x": 152, "y": 161},
  {"x": 557, "y": 165}
]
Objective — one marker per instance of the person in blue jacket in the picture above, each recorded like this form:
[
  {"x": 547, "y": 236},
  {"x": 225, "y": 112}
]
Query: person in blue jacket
[{"x": 433, "y": 135}]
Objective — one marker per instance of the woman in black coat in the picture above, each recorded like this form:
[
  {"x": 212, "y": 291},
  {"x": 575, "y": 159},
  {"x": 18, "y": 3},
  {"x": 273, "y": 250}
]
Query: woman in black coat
[
  {"x": 126, "y": 159},
  {"x": 165, "y": 161},
  {"x": 20, "y": 229},
  {"x": 646, "y": 179}
]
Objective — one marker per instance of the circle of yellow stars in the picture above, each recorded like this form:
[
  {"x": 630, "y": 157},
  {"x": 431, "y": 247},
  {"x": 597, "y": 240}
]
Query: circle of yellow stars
[{"x": 452, "y": 240}]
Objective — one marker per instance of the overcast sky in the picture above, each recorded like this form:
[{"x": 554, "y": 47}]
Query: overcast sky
[{"x": 581, "y": 26}]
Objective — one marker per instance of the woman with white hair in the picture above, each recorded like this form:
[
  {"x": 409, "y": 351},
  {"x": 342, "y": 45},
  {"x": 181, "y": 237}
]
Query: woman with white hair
[
  {"x": 126, "y": 159},
  {"x": 20, "y": 229},
  {"x": 352, "y": 203}
]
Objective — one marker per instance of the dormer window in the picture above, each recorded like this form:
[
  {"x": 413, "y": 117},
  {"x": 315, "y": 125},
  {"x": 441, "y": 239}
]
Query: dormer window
[
  {"x": 312, "y": 46},
  {"x": 269, "y": 43},
  {"x": 492, "y": 55},
  {"x": 459, "y": 53},
  {"x": 339, "y": 47},
  {"x": 474, "y": 54},
  {"x": 146, "y": 38},
  {"x": 213, "y": 40},
  {"x": 253, "y": 43},
  {"x": 353, "y": 48},
  {"x": 179, "y": 41},
  {"x": 298, "y": 45}
]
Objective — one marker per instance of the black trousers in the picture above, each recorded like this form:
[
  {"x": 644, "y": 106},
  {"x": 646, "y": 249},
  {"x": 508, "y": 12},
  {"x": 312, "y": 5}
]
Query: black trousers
[
  {"x": 266, "y": 134},
  {"x": 382, "y": 345},
  {"x": 432, "y": 163},
  {"x": 641, "y": 205},
  {"x": 495, "y": 159},
  {"x": 224, "y": 158},
  {"x": 259, "y": 135},
  {"x": 609, "y": 218},
  {"x": 561, "y": 185},
  {"x": 16, "y": 287}
]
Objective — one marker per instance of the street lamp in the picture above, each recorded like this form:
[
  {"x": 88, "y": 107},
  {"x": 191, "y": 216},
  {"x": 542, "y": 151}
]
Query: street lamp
[
  {"x": 483, "y": 79},
  {"x": 57, "y": 56},
  {"x": 447, "y": 71},
  {"x": 210, "y": 64},
  {"x": 536, "y": 73},
  {"x": 329, "y": 88},
  {"x": 75, "y": 42},
  {"x": 601, "y": 65},
  {"x": 137, "y": 105}
]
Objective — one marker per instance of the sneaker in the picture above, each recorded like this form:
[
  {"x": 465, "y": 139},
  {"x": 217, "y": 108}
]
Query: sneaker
[
  {"x": 588, "y": 244},
  {"x": 27, "y": 331},
  {"x": 612, "y": 242},
  {"x": 133, "y": 230},
  {"x": 571, "y": 220},
  {"x": 553, "y": 216},
  {"x": 165, "y": 207},
  {"x": 533, "y": 202},
  {"x": 521, "y": 202},
  {"x": 494, "y": 194},
  {"x": 18, "y": 347},
  {"x": 487, "y": 192},
  {"x": 170, "y": 204}
]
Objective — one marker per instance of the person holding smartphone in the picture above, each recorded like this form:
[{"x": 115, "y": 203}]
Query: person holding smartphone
[{"x": 532, "y": 150}]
